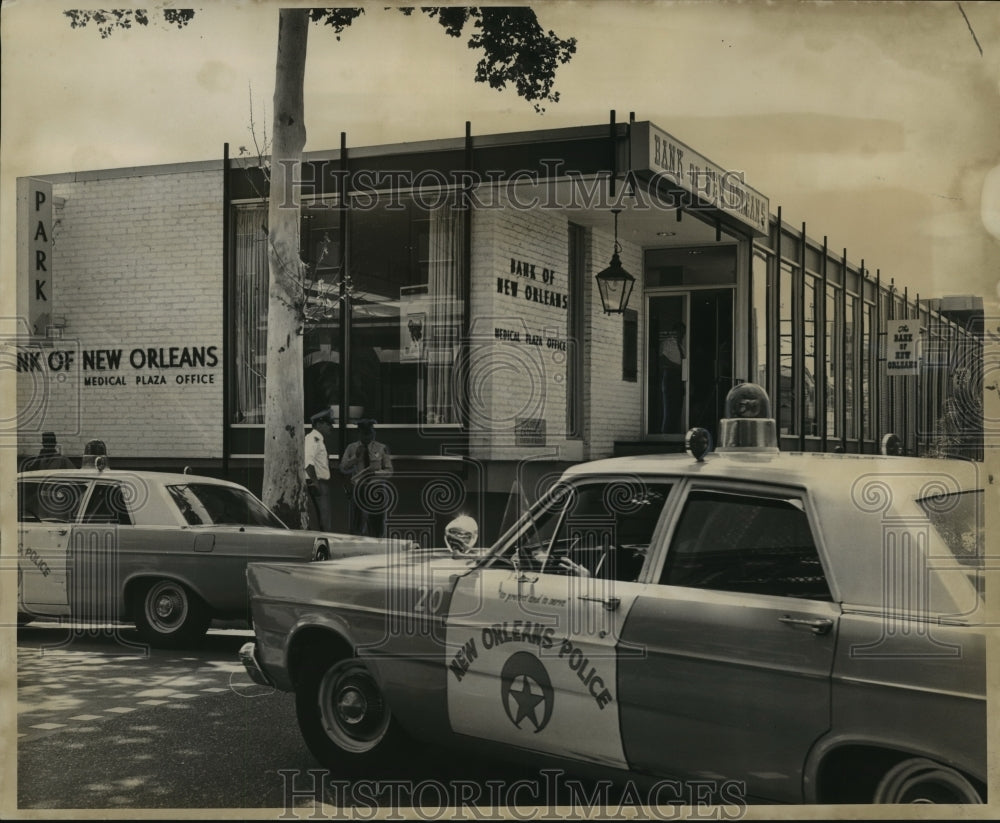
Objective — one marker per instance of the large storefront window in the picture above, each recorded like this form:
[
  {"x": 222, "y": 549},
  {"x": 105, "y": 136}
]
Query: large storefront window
[
  {"x": 786, "y": 343},
  {"x": 407, "y": 272},
  {"x": 809, "y": 327},
  {"x": 324, "y": 262},
  {"x": 759, "y": 330},
  {"x": 850, "y": 356},
  {"x": 250, "y": 312},
  {"x": 867, "y": 359},
  {"x": 405, "y": 276},
  {"x": 834, "y": 356}
]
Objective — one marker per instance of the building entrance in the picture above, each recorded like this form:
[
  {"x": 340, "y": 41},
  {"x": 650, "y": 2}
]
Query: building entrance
[{"x": 689, "y": 360}]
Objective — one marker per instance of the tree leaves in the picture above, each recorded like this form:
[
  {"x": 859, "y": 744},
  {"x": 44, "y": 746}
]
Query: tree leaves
[
  {"x": 339, "y": 19},
  {"x": 107, "y": 20},
  {"x": 515, "y": 48}
]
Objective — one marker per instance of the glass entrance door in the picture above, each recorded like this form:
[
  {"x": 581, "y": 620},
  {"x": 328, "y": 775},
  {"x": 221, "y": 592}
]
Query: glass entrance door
[
  {"x": 667, "y": 365},
  {"x": 689, "y": 361}
]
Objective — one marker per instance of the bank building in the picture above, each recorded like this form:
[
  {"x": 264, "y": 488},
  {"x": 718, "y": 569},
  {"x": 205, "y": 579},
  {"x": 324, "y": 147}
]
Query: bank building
[{"x": 502, "y": 305}]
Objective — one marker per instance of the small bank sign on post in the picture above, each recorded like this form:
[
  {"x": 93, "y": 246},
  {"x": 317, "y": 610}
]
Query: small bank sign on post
[{"x": 902, "y": 347}]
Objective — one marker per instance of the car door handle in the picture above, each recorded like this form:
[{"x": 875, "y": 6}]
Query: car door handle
[
  {"x": 817, "y": 625},
  {"x": 60, "y": 532},
  {"x": 609, "y": 603}
]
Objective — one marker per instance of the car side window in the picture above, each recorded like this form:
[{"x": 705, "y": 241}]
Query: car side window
[
  {"x": 207, "y": 504},
  {"x": 745, "y": 543},
  {"x": 606, "y": 529},
  {"x": 50, "y": 501},
  {"x": 107, "y": 505}
]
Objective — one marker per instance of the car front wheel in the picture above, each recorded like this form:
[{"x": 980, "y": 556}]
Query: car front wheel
[
  {"x": 168, "y": 614},
  {"x": 343, "y": 715},
  {"x": 919, "y": 780}
]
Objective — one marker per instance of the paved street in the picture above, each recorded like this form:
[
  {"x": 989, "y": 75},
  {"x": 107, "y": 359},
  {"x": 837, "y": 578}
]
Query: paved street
[{"x": 104, "y": 723}]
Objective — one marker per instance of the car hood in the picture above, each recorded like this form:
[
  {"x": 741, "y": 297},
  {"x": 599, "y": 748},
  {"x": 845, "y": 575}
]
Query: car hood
[{"x": 388, "y": 558}]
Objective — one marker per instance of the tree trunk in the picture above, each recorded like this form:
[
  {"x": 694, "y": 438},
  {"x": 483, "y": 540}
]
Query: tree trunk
[{"x": 283, "y": 488}]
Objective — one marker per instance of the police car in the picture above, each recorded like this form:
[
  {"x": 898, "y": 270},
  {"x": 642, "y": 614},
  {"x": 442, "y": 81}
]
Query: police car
[
  {"x": 807, "y": 625},
  {"x": 166, "y": 551}
]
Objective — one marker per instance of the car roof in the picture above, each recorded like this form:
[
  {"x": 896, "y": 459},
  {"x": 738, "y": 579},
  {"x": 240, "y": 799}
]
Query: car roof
[
  {"x": 861, "y": 506},
  {"x": 792, "y": 468},
  {"x": 166, "y": 478}
]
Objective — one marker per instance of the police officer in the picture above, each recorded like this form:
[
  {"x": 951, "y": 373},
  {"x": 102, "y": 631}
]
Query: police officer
[
  {"x": 317, "y": 466},
  {"x": 363, "y": 459}
]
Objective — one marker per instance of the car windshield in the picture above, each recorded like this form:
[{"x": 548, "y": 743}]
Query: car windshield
[
  {"x": 208, "y": 504},
  {"x": 594, "y": 526}
]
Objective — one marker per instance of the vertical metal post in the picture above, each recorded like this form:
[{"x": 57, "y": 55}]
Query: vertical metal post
[
  {"x": 227, "y": 312},
  {"x": 858, "y": 323},
  {"x": 772, "y": 374},
  {"x": 907, "y": 383},
  {"x": 877, "y": 374},
  {"x": 821, "y": 320},
  {"x": 890, "y": 385},
  {"x": 466, "y": 274},
  {"x": 612, "y": 158},
  {"x": 872, "y": 355},
  {"x": 842, "y": 366},
  {"x": 919, "y": 395},
  {"x": 799, "y": 337},
  {"x": 345, "y": 298},
  {"x": 749, "y": 320}
]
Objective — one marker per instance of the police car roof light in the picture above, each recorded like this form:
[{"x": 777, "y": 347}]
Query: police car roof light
[
  {"x": 748, "y": 425},
  {"x": 697, "y": 443}
]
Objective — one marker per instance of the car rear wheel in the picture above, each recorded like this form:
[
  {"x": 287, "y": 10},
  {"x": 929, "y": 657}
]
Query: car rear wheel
[
  {"x": 343, "y": 715},
  {"x": 168, "y": 614},
  {"x": 919, "y": 780}
]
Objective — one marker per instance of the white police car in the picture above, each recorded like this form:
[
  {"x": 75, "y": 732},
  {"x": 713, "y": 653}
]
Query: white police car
[{"x": 809, "y": 626}]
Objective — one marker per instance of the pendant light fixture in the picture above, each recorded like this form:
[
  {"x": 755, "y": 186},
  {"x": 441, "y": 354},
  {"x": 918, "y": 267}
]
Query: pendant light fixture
[{"x": 614, "y": 283}]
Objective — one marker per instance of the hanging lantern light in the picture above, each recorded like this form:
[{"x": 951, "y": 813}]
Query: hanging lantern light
[{"x": 614, "y": 283}]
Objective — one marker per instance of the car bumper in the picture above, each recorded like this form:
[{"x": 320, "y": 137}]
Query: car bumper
[{"x": 248, "y": 657}]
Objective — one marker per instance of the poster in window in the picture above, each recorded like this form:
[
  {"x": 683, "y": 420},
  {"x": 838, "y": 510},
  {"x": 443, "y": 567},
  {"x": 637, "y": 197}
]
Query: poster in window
[{"x": 413, "y": 335}]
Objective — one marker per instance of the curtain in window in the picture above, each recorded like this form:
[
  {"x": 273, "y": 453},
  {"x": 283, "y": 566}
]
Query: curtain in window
[
  {"x": 445, "y": 293},
  {"x": 250, "y": 315}
]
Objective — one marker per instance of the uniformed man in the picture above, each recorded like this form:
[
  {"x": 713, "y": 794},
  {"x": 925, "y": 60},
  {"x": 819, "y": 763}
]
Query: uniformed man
[
  {"x": 363, "y": 460},
  {"x": 317, "y": 466}
]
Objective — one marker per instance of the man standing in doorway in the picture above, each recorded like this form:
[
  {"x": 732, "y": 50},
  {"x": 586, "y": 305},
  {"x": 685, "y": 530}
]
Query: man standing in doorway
[
  {"x": 363, "y": 459},
  {"x": 672, "y": 356},
  {"x": 317, "y": 464}
]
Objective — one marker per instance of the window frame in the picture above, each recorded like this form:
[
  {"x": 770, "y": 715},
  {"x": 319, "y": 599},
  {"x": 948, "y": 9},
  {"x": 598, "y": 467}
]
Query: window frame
[
  {"x": 775, "y": 491},
  {"x": 177, "y": 491},
  {"x": 114, "y": 485},
  {"x": 81, "y": 506}
]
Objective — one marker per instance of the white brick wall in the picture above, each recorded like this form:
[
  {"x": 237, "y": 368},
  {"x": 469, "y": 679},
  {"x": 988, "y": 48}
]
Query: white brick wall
[
  {"x": 138, "y": 265},
  {"x": 512, "y": 379},
  {"x": 613, "y": 406}
]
